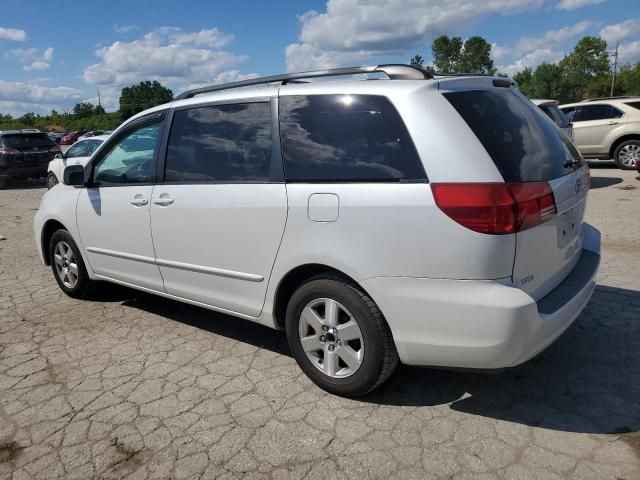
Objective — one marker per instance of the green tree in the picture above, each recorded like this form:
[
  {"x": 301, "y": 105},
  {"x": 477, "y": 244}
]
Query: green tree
[
  {"x": 628, "y": 79},
  {"x": 452, "y": 55},
  {"x": 136, "y": 98},
  {"x": 84, "y": 109},
  {"x": 446, "y": 54},
  {"x": 476, "y": 57},
  {"x": 546, "y": 82},
  {"x": 524, "y": 79},
  {"x": 588, "y": 60},
  {"x": 417, "y": 61},
  {"x": 28, "y": 119}
]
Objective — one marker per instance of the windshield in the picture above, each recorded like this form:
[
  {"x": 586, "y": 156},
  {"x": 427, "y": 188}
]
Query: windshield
[
  {"x": 555, "y": 114},
  {"x": 524, "y": 146},
  {"x": 27, "y": 141}
]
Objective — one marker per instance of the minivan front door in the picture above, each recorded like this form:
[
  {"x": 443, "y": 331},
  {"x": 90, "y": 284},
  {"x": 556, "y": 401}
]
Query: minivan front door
[
  {"x": 113, "y": 214},
  {"x": 218, "y": 219},
  {"x": 592, "y": 125}
]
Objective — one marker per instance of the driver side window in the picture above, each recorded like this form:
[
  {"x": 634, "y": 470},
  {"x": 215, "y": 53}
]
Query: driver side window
[{"x": 130, "y": 160}]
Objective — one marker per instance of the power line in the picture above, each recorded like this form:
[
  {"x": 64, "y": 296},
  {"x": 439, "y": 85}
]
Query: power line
[{"x": 615, "y": 68}]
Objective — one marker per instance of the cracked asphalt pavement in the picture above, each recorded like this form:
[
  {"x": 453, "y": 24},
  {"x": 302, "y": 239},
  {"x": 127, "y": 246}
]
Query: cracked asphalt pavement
[{"x": 135, "y": 386}]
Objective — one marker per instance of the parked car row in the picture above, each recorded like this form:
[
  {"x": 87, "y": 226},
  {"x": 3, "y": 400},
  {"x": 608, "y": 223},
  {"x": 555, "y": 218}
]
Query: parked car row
[
  {"x": 607, "y": 128},
  {"x": 432, "y": 220}
]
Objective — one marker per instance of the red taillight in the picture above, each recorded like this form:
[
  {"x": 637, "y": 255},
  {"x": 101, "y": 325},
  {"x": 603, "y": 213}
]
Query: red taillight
[
  {"x": 496, "y": 208},
  {"x": 9, "y": 151},
  {"x": 55, "y": 149}
]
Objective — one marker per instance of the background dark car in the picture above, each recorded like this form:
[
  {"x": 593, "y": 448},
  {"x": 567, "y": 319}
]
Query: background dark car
[
  {"x": 25, "y": 155},
  {"x": 56, "y": 136},
  {"x": 72, "y": 137}
]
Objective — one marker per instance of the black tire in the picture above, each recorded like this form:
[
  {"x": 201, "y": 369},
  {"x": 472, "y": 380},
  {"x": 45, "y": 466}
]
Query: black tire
[
  {"x": 52, "y": 180},
  {"x": 618, "y": 151},
  {"x": 380, "y": 355},
  {"x": 84, "y": 288}
]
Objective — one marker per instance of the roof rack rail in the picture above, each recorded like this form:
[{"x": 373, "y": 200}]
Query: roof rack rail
[
  {"x": 607, "y": 98},
  {"x": 393, "y": 71}
]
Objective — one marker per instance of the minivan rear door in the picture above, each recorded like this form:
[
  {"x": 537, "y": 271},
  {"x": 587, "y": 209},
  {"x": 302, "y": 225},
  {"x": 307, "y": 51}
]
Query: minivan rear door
[
  {"x": 526, "y": 148},
  {"x": 219, "y": 216}
]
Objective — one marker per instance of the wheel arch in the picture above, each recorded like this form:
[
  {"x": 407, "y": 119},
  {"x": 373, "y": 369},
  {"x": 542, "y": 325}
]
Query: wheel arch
[
  {"x": 623, "y": 138},
  {"x": 50, "y": 227},
  {"x": 296, "y": 277}
]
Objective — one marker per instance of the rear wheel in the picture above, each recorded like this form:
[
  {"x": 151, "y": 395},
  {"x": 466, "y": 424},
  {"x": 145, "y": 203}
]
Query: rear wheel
[
  {"x": 68, "y": 266},
  {"x": 52, "y": 180},
  {"x": 626, "y": 154},
  {"x": 339, "y": 337}
]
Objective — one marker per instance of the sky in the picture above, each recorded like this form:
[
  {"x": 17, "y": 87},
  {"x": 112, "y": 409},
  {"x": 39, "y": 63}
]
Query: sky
[{"x": 56, "y": 53}]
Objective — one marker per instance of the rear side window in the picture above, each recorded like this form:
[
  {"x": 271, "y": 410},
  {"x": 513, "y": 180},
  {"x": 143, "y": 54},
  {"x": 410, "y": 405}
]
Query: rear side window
[
  {"x": 634, "y": 104},
  {"x": 555, "y": 114},
  {"x": 220, "y": 143},
  {"x": 585, "y": 113},
  {"x": 345, "y": 138},
  {"x": 523, "y": 145},
  {"x": 27, "y": 141}
]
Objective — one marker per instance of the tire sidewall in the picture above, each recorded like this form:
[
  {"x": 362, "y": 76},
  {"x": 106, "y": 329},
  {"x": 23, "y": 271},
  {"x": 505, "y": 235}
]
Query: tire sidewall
[
  {"x": 367, "y": 375},
  {"x": 617, "y": 154},
  {"x": 83, "y": 277}
]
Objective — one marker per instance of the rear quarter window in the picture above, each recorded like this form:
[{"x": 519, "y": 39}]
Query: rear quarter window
[
  {"x": 345, "y": 138},
  {"x": 524, "y": 146}
]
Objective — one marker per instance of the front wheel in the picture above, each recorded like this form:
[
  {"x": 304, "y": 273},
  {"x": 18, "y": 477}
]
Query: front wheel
[
  {"x": 68, "y": 267},
  {"x": 626, "y": 154},
  {"x": 52, "y": 180},
  {"x": 339, "y": 337}
]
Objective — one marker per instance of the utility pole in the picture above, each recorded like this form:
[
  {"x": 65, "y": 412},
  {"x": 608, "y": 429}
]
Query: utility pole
[
  {"x": 100, "y": 105},
  {"x": 615, "y": 68}
]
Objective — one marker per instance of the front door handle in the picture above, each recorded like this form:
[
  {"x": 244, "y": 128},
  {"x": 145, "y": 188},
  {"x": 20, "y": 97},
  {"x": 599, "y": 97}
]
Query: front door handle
[
  {"x": 613, "y": 123},
  {"x": 138, "y": 201},
  {"x": 163, "y": 201}
]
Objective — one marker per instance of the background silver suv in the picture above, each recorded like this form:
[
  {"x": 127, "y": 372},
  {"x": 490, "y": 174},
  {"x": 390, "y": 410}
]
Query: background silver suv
[{"x": 607, "y": 128}]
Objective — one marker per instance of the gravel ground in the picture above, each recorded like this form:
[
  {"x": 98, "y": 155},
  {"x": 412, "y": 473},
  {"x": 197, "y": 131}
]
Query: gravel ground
[{"x": 142, "y": 387}]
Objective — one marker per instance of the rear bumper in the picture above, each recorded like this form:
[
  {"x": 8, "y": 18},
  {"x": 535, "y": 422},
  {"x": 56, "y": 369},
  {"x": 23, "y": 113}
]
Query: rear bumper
[
  {"x": 24, "y": 171},
  {"x": 482, "y": 324}
]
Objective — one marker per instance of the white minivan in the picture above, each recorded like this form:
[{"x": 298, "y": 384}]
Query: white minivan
[{"x": 428, "y": 220}]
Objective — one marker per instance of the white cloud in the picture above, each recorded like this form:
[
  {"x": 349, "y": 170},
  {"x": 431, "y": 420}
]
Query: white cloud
[
  {"x": 620, "y": 31},
  {"x": 552, "y": 37},
  {"x": 167, "y": 54},
  {"x": 13, "y": 34},
  {"x": 32, "y": 58},
  {"x": 575, "y": 4},
  {"x": 498, "y": 51},
  {"x": 124, "y": 28},
  {"x": 352, "y": 31},
  {"x": 532, "y": 60},
  {"x": 629, "y": 52},
  {"x": 18, "y": 97}
]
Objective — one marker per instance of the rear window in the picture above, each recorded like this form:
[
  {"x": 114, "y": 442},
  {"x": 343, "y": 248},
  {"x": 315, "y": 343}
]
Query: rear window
[
  {"x": 523, "y": 145},
  {"x": 345, "y": 138},
  {"x": 555, "y": 114},
  {"x": 26, "y": 141}
]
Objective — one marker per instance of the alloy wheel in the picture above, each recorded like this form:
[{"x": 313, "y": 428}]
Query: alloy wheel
[
  {"x": 331, "y": 338},
  {"x": 629, "y": 154},
  {"x": 66, "y": 265}
]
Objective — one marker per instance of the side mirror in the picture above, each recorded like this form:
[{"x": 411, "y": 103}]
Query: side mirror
[
  {"x": 59, "y": 155},
  {"x": 74, "y": 175}
]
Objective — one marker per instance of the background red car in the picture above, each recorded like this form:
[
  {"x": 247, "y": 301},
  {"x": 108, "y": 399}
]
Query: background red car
[{"x": 71, "y": 137}]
